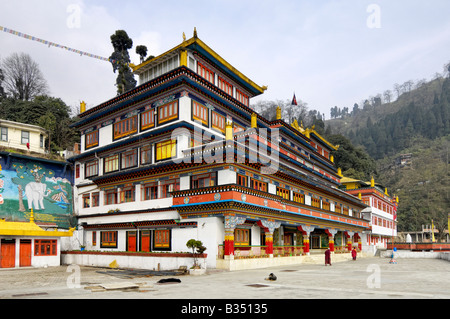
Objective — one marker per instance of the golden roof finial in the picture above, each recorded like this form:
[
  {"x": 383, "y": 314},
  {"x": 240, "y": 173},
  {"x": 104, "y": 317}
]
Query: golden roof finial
[
  {"x": 184, "y": 37},
  {"x": 31, "y": 216},
  {"x": 195, "y": 32}
]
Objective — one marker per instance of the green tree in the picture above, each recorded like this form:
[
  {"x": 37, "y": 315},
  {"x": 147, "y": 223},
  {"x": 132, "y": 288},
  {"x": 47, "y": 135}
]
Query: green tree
[
  {"x": 121, "y": 43},
  {"x": 141, "y": 50}
]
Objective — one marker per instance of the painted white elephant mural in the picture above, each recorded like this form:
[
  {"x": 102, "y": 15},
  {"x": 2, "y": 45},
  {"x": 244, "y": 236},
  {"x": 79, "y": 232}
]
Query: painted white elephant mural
[{"x": 35, "y": 195}]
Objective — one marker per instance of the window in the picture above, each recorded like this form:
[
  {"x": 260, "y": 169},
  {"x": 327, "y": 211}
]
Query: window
[
  {"x": 127, "y": 194},
  {"x": 129, "y": 159},
  {"x": 283, "y": 193},
  {"x": 91, "y": 168},
  {"x": 147, "y": 119},
  {"x": 337, "y": 208},
  {"x": 146, "y": 154},
  {"x": 345, "y": 211},
  {"x": 299, "y": 198},
  {"x": 161, "y": 239},
  {"x": 225, "y": 86},
  {"x": 169, "y": 186},
  {"x": 111, "y": 163},
  {"x": 86, "y": 200},
  {"x": 41, "y": 140},
  {"x": 111, "y": 197},
  {"x": 241, "y": 97},
  {"x": 94, "y": 238},
  {"x": 218, "y": 121},
  {"x": 205, "y": 73},
  {"x": 77, "y": 171},
  {"x": 168, "y": 112},
  {"x": 166, "y": 150},
  {"x": 125, "y": 127},
  {"x": 200, "y": 113},
  {"x": 204, "y": 180},
  {"x": 326, "y": 205},
  {"x": 241, "y": 237},
  {"x": 45, "y": 247},
  {"x": 25, "y": 137},
  {"x": 258, "y": 185},
  {"x": 242, "y": 180},
  {"x": 315, "y": 202},
  {"x": 4, "y": 134},
  {"x": 91, "y": 139},
  {"x": 95, "y": 199},
  {"x": 150, "y": 191},
  {"x": 108, "y": 239}
]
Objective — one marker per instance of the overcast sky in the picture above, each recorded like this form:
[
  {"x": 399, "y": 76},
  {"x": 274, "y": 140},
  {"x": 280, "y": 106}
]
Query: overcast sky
[{"x": 327, "y": 52}]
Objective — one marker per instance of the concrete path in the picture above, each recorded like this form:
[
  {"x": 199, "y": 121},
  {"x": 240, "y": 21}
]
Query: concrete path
[{"x": 365, "y": 278}]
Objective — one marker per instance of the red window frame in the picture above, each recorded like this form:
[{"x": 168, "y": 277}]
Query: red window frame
[
  {"x": 129, "y": 159},
  {"x": 146, "y": 154},
  {"x": 86, "y": 200},
  {"x": 242, "y": 180},
  {"x": 108, "y": 239},
  {"x": 168, "y": 112},
  {"x": 218, "y": 121},
  {"x": 150, "y": 191},
  {"x": 127, "y": 194},
  {"x": 45, "y": 247},
  {"x": 161, "y": 239},
  {"x": 204, "y": 180},
  {"x": 299, "y": 198},
  {"x": 95, "y": 199},
  {"x": 283, "y": 193},
  {"x": 111, "y": 197},
  {"x": 225, "y": 86},
  {"x": 241, "y": 237},
  {"x": 200, "y": 113},
  {"x": 241, "y": 97},
  {"x": 147, "y": 119},
  {"x": 169, "y": 186},
  {"x": 258, "y": 185},
  {"x": 111, "y": 163},
  {"x": 91, "y": 168},
  {"x": 125, "y": 127},
  {"x": 91, "y": 139},
  {"x": 205, "y": 72}
]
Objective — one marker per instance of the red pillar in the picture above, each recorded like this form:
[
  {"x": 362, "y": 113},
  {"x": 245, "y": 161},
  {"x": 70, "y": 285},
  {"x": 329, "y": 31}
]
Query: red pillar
[
  {"x": 229, "y": 243},
  {"x": 269, "y": 243},
  {"x": 306, "y": 243}
]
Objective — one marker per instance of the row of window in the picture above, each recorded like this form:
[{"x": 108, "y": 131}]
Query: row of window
[
  {"x": 285, "y": 193},
  {"x": 143, "y": 240},
  {"x": 166, "y": 113},
  {"x": 224, "y": 85},
  {"x": 378, "y": 221},
  {"x": 131, "y": 158},
  {"x": 24, "y": 137}
]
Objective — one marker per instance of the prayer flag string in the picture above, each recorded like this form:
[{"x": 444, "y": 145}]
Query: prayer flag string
[{"x": 49, "y": 43}]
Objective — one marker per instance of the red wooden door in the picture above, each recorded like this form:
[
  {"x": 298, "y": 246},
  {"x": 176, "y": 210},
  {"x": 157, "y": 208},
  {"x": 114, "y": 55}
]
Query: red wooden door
[
  {"x": 145, "y": 240},
  {"x": 8, "y": 254},
  {"x": 131, "y": 241},
  {"x": 25, "y": 253}
]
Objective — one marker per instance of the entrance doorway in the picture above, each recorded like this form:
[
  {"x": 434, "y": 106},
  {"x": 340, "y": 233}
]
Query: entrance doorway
[
  {"x": 25, "y": 253},
  {"x": 131, "y": 239},
  {"x": 8, "y": 253}
]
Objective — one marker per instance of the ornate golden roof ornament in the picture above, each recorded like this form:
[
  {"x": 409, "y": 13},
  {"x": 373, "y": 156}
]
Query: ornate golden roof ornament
[
  {"x": 195, "y": 32},
  {"x": 184, "y": 37}
]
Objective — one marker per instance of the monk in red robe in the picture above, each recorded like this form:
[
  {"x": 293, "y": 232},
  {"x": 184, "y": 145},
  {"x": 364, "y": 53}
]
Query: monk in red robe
[
  {"x": 328, "y": 257},
  {"x": 354, "y": 253}
]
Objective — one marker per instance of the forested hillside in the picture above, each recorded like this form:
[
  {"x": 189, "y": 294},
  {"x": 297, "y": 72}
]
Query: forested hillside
[{"x": 416, "y": 124}]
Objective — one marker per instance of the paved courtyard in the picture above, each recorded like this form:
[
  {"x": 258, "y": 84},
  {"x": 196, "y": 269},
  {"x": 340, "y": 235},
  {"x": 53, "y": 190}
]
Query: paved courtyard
[{"x": 365, "y": 278}]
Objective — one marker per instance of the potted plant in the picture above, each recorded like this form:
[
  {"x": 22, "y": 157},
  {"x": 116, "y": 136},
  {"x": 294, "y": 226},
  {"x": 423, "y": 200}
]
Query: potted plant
[
  {"x": 197, "y": 250},
  {"x": 82, "y": 247}
]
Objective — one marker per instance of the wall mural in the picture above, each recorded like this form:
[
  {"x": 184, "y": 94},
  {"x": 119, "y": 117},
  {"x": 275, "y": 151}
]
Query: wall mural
[{"x": 45, "y": 187}]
